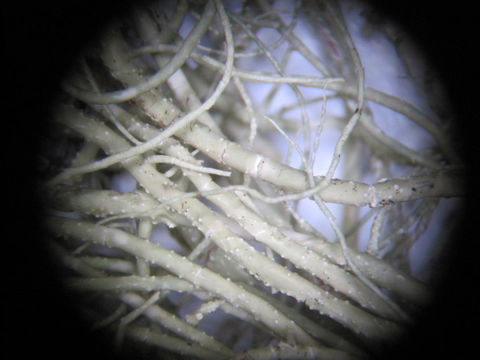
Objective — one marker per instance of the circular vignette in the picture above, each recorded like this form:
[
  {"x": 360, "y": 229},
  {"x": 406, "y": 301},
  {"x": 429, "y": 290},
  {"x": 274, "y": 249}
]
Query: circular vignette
[{"x": 442, "y": 54}]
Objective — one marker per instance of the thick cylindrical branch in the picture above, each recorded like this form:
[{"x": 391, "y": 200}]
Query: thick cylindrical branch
[
  {"x": 233, "y": 155},
  {"x": 208, "y": 222},
  {"x": 261, "y": 230},
  {"x": 183, "y": 268},
  {"x": 269, "y": 272},
  {"x": 377, "y": 270},
  {"x": 131, "y": 283},
  {"x": 104, "y": 203}
]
